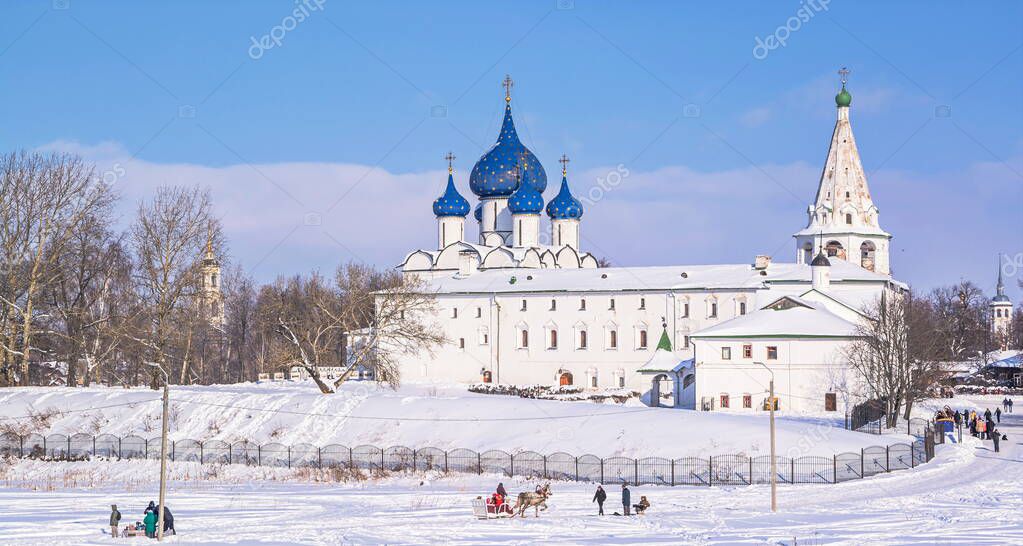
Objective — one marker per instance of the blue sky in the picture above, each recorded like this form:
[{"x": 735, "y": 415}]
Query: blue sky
[{"x": 347, "y": 120}]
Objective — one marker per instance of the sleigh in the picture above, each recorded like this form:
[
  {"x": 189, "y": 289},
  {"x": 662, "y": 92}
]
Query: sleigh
[{"x": 482, "y": 510}]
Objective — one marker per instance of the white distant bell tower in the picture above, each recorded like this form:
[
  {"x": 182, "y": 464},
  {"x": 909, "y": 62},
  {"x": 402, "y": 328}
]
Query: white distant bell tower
[
  {"x": 1001, "y": 313},
  {"x": 843, "y": 219},
  {"x": 211, "y": 298}
]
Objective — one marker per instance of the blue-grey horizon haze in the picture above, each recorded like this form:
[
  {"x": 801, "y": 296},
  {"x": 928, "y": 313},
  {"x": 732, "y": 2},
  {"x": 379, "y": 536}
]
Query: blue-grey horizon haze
[{"x": 696, "y": 132}]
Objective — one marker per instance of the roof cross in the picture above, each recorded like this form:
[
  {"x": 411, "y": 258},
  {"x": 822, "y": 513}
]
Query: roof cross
[
  {"x": 450, "y": 159},
  {"x": 508, "y": 83},
  {"x": 564, "y": 163},
  {"x": 844, "y": 73}
]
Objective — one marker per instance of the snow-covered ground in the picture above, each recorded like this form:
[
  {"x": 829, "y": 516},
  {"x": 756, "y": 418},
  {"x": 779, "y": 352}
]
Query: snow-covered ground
[
  {"x": 967, "y": 495},
  {"x": 419, "y": 416}
]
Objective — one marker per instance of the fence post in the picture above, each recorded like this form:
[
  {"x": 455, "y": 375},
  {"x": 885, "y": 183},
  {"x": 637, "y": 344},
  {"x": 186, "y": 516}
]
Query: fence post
[
  {"x": 545, "y": 467},
  {"x": 751, "y": 470},
  {"x": 792, "y": 471},
  {"x": 710, "y": 470},
  {"x": 635, "y": 471},
  {"x": 147, "y": 447},
  {"x": 602, "y": 471},
  {"x": 479, "y": 463},
  {"x": 673, "y": 472},
  {"x": 230, "y": 453},
  {"x": 351, "y": 461},
  {"x": 44, "y": 446},
  {"x": 94, "y": 446},
  {"x": 861, "y": 462},
  {"x": 912, "y": 455},
  {"x": 577, "y": 469},
  {"x": 381, "y": 458},
  {"x": 511, "y": 465},
  {"x": 259, "y": 455},
  {"x": 415, "y": 461},
  {"x": 67, "y": 456},
  {"x": 887, "y": 460},
  {"x": 200, "y": 453},
  {"x": 120, "y": 448},
  {"x": 445, "y": 462},
  {"x": 834, "y": 468},
  {"x": 319, "y": 458},
  {"x": 289, "y": 456},
  {"x": 21, "y": 446}
]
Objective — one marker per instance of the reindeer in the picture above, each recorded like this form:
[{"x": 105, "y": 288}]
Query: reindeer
[{"x": 535, "y": 500}]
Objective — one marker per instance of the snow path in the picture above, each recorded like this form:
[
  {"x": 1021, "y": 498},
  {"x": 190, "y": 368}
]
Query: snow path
[{"x": 967, "y": 495}]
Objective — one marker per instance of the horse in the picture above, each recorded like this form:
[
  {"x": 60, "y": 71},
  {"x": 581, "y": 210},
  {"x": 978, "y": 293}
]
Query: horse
[{"x": 535, "y": 500}]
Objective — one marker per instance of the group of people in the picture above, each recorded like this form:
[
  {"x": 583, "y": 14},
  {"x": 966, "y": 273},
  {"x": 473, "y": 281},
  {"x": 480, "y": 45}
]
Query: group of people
[
  {"x": 600, "y": 496},
  {"x": 149, "y": 520},
  {"x": 497, "y": 502},
  {"x": 983, "y": 426}
]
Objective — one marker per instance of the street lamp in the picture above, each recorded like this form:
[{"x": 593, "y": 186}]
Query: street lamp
[
  {"x": 163, "y": 449},
  {"x": 774, "y": 459}
]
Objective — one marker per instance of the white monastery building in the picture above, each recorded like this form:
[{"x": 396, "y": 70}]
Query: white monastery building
[{"x": 524, "y": 305}]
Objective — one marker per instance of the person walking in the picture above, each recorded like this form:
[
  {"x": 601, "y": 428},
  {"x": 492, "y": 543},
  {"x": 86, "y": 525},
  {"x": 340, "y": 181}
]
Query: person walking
[
  {"x": 987, "y": 414},
  {"x": 957, "y": 417},
  {"x": 626, "y": 497},
  {"x": 599, "y": 497},
  {"x": 115, "y": 520},
  {"x": 998, "y": 415},
  {"x": 1005, "y": 403},
  {"x": 995, "y": 437},
  {"x": 1010, "y": 405}
]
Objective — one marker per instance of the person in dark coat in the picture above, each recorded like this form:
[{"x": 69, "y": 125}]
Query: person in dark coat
[
  {"x": 501, "y": 491},
  {"x": 599, "y": 497},
  {"x": 168, "y": 521},
  {"x": 995, "y": 436},
  {"x": 626, "y": 497},
  {"x": 998, "y": 415},
  {"x": 115, "y": 520},
  {"x": 150, "y": 508},
  {"x": 1010, "y": 405},
  {"x": 987, "y": 414},
  {"x": 957, "y": 417},
  {"x": 1005, "y": 403}
]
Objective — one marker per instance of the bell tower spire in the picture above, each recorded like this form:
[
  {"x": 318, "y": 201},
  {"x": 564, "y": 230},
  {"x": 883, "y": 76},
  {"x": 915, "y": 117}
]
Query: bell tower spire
[{"x": 843, "y": 219}]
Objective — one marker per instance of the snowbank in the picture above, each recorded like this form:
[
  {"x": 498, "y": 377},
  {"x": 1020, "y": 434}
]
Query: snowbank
[{"x": 417, "y": 416}]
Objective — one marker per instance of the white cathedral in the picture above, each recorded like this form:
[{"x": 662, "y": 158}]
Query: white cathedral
[{"x": 519, "y": 307}]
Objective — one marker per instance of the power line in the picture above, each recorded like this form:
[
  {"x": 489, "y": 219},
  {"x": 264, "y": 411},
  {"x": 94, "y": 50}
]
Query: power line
[{"x": 82, "y": 410}]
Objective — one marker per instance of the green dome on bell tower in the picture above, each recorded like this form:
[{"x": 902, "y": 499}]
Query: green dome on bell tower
[{"x": 843, "y": 98}]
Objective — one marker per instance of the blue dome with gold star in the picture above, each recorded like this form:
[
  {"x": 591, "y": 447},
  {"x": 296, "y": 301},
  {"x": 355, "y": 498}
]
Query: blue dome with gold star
[
  {"x": 564, "y": 206},
  {"x": 526, "y": 200},
  {"x": 451, "y": 203},
  {"x": 494, "y": 175}
]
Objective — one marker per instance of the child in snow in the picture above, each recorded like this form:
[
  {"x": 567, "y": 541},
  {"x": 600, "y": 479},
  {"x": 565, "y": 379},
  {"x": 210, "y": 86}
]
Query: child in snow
[
  {"x": 150, "y": 522},
  {"x": 599, "y": 497},
  {"x": 642, "y": 506}
]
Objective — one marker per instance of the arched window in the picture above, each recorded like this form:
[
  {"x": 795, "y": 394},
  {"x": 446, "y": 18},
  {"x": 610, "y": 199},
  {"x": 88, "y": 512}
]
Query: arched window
[
  {"x": 848, "y": 218},
  {"x": 553, "y": 344},
  {"x": 213, "y": 280},
  {"x": 613, "y": 341},
  {"x": 867, "y": 255},
  {"x": 582, "y": 339},
  {"x": 834, "y": 249},
  {"x": 642, "y": 339}
]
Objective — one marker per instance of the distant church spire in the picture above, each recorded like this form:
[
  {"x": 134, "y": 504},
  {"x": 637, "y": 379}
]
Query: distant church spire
[{"x": 843, "y": 219}]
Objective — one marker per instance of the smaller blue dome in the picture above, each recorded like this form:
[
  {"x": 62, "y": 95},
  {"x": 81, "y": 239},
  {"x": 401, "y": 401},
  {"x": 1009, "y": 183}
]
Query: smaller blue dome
[
  {"x": 526, "y": 200},
  {"x": 451, "y": 203},
  {"x": 478, "y": 213},
  {"x": 564, "y": 206}
]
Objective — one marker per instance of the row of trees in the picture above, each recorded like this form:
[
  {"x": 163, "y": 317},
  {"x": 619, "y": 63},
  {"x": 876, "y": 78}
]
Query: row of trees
[
  {"x": 909, "y": 343},
  {"x": 83, "y": 302}
]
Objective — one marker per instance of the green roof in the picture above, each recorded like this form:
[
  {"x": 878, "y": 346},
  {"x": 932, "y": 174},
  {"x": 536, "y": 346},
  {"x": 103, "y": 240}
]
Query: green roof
[{"x": 665, "y": 342}]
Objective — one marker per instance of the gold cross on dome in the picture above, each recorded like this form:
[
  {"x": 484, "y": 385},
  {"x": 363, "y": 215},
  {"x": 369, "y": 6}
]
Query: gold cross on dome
[
  {"x": 508, "y": 83},
  {"x": 450, "y": 159},
  {"x": 564, "y": 163},
  {"x": 844, "y": 73}
]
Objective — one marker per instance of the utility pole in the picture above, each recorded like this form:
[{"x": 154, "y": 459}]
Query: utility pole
[
  {"x": 163, "y": 450},
  {"x": 774, "y": 458}
]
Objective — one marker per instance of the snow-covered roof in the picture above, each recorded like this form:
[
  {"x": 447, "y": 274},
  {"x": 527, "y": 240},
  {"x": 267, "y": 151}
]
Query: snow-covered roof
[
  {"x": 664, "y": 361},
  {"x": 788, "y": 316},
  {"x": 676, "y": 277},
  {"x": 1009, "y": 361}
]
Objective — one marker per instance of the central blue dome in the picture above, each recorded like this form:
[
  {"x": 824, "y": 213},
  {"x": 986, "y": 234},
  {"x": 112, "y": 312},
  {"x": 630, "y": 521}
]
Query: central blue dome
[{"x": 494, "y": 174}]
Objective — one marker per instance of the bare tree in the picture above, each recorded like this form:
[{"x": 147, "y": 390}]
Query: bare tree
[
  {"x": 44, "y": 201},
  {"x": 961, "y": 322},
  {"x": 168, "y": 237}
]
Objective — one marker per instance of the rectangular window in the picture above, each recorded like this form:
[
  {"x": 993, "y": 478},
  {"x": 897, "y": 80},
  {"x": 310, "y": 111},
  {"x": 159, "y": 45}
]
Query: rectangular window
[
  {"x": 621, "y": 381},
  {"x": 642, "y": 303},
  {"x": 593, "y": 381},
  {"x": 554, "y": 305},
  {"x": 454, "y": 313},
  {"x": 747, "y": 351},
  {"x": 523, "y": 305},
  {"x": 747, "y": 401},
  {"x": 713, "y": 310},
  {"x": 830, "y": 401},
  {"x": 613, "y": 341},
  {"x": 642, "y": 339},
  {"x": 524, "y": 339},
  {"x": 582, "y": 304},
  {"x": 461, "y": 343},
  {"x": 479, "y": 312},
  {"x": 724, "y": 401},
  {"x": 685, "y": 341},
  {"x": 685, "y": 310},
  {"x": 582, "y": 339},
  {"x": 612, "y": 306},
  {"x": 554, "y": 340},
  {"x": 772, "y": 353},
  {"x": 726, "y": 353},
  {"x": 485, "y": 339},
  {"x": 742, "y": 308}
]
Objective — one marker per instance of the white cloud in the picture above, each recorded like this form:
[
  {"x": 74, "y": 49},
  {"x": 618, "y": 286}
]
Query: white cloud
[{"x": 756, "y": 117}]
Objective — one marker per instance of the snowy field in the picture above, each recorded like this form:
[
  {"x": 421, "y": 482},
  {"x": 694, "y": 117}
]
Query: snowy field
[
  {"x": 967, "y": 495},
  {"x": 419, "y": 416}
]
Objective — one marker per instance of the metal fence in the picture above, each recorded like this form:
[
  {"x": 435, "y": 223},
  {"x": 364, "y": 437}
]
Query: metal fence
[{"x": 715, "y": 470}]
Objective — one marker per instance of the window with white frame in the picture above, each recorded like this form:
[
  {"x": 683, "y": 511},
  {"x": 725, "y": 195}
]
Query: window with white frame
[
  {"x": 554, "y": 304},
  {"x": 522, "y": 336},
  {"x": 484, "y": 335},
  {"x": 611, "y": 336},
  {"x": 685, "y": 309},
  {"x": 454, "y": 312},
  {"x": 582, "y": 304},
  {"x": 551, "y": 333},
  {"x": 479, "y": 312},
  {"x": 642, "y": 303},
  {"x": 523, "y": 305},
  {"x": 726, "y": 353}
]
